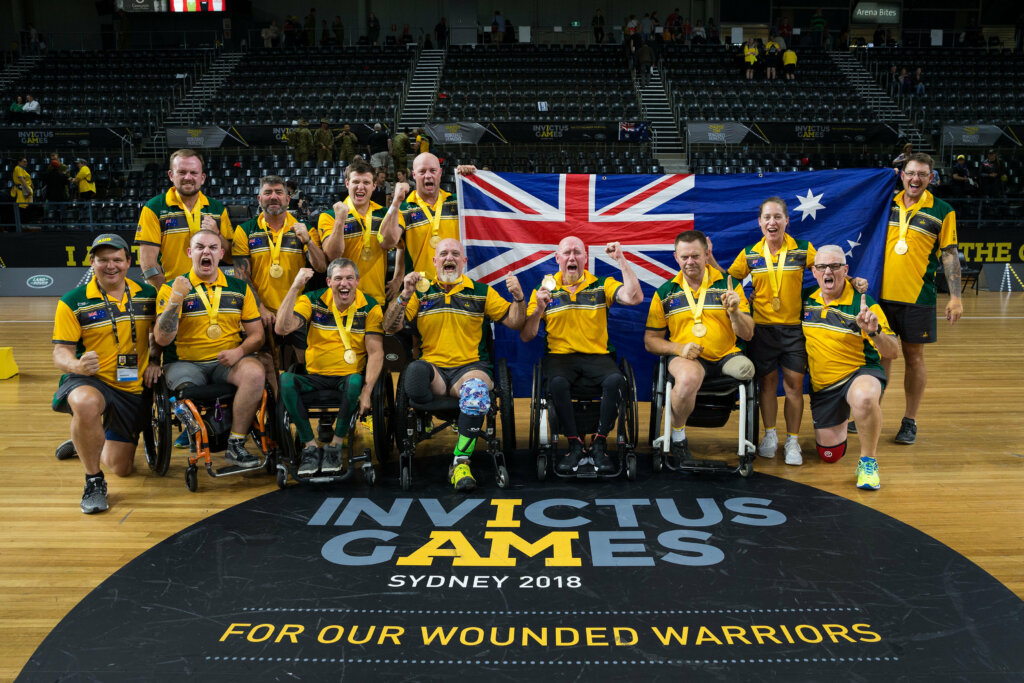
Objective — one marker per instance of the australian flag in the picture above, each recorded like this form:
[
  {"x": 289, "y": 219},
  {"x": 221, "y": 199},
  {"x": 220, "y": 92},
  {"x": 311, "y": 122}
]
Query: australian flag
[{"x": 513, "y": 222}]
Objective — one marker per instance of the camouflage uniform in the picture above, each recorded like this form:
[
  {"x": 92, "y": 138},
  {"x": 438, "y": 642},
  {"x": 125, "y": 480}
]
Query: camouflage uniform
[
  {"x": 323, "y": 137},
  {"x": 301, "y": 141}
]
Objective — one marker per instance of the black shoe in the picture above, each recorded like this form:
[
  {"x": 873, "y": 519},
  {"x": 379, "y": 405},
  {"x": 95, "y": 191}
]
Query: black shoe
[
  {"x": 325, "y": 432},
  {"x": 310, "y": 461},
  {"x": 569, "y": 461},
  {"x": 94, "y": 499},
  {"x": 597, "y": 453},
  {"x": 66, "y": 450},
  {"x": 679, "y": 452},
  {"x": 851, "y": 427},
  {"x": 331, "y": 463},
  {"x": 908, "y": 432},
  {"x": 239, "y": 455}
]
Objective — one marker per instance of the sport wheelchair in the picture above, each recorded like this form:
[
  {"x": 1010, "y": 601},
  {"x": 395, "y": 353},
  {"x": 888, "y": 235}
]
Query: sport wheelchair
[
  {"x": 716, "y": 399},
  {"x": 544, "y": 426}
]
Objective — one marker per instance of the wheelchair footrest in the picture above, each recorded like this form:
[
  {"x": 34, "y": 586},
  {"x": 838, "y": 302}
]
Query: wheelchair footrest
[
  {"x": 704, "y": 466},
  {"x": 228, "y": 470}
]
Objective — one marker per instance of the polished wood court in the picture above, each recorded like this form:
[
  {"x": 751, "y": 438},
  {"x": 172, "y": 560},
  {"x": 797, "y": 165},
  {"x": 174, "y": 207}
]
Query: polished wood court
[{"x": 961, "y": 483}]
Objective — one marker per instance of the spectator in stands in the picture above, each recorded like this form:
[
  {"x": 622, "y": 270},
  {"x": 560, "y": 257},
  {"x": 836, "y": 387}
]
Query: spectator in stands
[
  {"x": 400, "y": 150},
  {"x": 338, "y": 29},
  {"x": 21, "y": 186},
  {"x": 347, "y": 142},
  {"x": 497, "y": 27},
  {"x": 379, "y": 147},
  {"x": 380, "y": 188},
  {"x": 632, "y": 26},
  {"x": 992, "y": 177},
  {"x": 597, "y": 23},
  {"x": 291, "y": 30},
  {"x": 422, "y": 141},
  {"x": 819, "y": 28},
  {"x": 265, "y": 35},
  {"x": 323, "y": 142},
  {"x": 699, "y": 36},
  {"x": 712, "y": 31},
  {"x": 298, "y": 205},
  {"x": 789, "y": 63},
  {"x": 300, "y": 139},
  {"x": 904, "y": 154},
  {"x": 31, "y": 105},
  {"x": 441, "y": 33},
  {"x": 372, "y": 28},
  {"x": 904, "y": 82},
  {"x": 785, "y": 32},
  {"x": 309, "y": 27},
  {"x": 55, "y": 182},
  {"x": 673, "y": 22},
  {"x": 772, "y": 57},
  {"x": 83, "y": 183},
  {"x": 17, "y": 105},
  {"x": 750, "y": 57},
  {"x": 274, "y": 32},
  {"x": 879, "y": 37},
  {"x": 645, "y": 61},
  {"x": 963, "y": 183},
  {"x": 918, "y": 81},
  {"x": 325, "y": 33}
]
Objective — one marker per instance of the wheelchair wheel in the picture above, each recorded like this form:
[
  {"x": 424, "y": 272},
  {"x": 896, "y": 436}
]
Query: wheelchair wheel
[
  {"x": 657, "y": 407},
  {"x": 506, "y": 408},
  {"x": 535, "y": 399},
  {"x": 289, "y": 449},
  {"x": 502, "y": 477},
  {"x": 383, "y": 406},
  {"x": 282, "y": 477},
  {"x": 157, "y": 436},
  {"x": 542, "y": 467},
  {"x": 191, "y": 478},
  {"x": 272, "y": 428},
  {"x": 631, "y": 466},
  {"x": 406, "y": 478},
  {"x": 746, "y": 467},
  {"x": 402, "y": 420},
  {"x": 629, "y": 405}
]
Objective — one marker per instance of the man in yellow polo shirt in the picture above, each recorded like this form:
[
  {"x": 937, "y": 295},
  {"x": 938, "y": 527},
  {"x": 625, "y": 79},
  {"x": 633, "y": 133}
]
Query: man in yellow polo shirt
[
  {"x": 352, "y": 229},
  {"x": 21, "y": 189},
  {"x": 703, "y": 316},
  {"x": 425, "y": 217},
  {"x": 168, "y": 221},
  {"x": 344, "y": 340},
  {"x": 573, "y": 305},
  {"x": 101, "y": 343},
  {"x": 847, "y": 338},
  {"x": 201, "y": 320},
  {"x": 449, "y": 314},
  {"x": 85, "y": 187}
]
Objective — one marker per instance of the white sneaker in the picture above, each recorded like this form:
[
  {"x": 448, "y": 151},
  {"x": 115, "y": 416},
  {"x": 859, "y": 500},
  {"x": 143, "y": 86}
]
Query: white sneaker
[
  {"x": 769, "y": 444},
  {"x": 792, "y": 450}
]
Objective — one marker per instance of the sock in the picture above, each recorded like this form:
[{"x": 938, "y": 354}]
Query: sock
[
  {"x": 790, "y": 436},
  {"x": 678, "y": 434},
  {"x": 768, "y": 429},
  {"x": 235, "y": 436},
  {"x": 99, "y": 476},
  {"x": 464, "y": 448}
]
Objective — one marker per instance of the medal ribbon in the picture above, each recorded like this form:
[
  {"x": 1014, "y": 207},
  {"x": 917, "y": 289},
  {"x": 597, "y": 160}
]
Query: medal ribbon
[
  {"x": 435, "y": 219},
  {"x": 775, "y": 280},
  {"x": 214, "y": 310},
  {"x": 907, "y": 215},
  {"x": 194, "y": 217},
  {"x": 366, "y": 221},
  {"x": 702, "y": 293},
  {"x": 344, "y": 323},
  {"x": 274, "y": 244}
]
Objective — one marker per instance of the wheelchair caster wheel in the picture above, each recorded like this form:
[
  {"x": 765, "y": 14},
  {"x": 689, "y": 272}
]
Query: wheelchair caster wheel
[
  {"x": 191, "y": 478},
  {"x": 542, "y": 467},
  {"x": 406, "y": 478},
  {"x": 746, "y": 468},
  {"x": 502, "y": 477},
  {"x": 66, "y": 450},
  {"x": 631, "y": 466},
  {"x": 657, "y": 461},
  {"x": 369, "y": 475},
  {"x": 282, "y": 478},
  {"x": 271, "y": 465}
]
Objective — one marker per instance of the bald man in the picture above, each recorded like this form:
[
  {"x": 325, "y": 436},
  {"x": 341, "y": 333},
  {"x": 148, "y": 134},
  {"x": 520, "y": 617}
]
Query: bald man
[{"x": 573, "y": 306}]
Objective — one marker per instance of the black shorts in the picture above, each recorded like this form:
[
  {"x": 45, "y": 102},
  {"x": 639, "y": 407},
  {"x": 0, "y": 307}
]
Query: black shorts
[
  {"x": 775, "y": 345},
  {"x": 789, "y": 68},
  {"x": 829, "y": 406},
  {"x": 122, "y": 416},
  {"x": 715, "y": 368},
  {"x": 584, "y": 371},
  {"x": 452, "y": 375},
  {"x": 912, "y": 323}
]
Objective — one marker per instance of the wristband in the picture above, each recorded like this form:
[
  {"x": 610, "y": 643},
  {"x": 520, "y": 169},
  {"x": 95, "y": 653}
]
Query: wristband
[
  {"x": 402, "y": 300},
  {"x": 519, "y": 301},
  {"x": 150, "y": 272},
  {"x": 873, "y": 334}
]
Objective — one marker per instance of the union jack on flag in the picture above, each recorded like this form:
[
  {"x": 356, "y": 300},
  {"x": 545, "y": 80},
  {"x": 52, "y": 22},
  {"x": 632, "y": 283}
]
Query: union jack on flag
[{"x": 513, "y": 222}]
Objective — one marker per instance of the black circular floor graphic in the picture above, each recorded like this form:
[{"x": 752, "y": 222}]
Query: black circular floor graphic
[{"x": 669, "y": 578}]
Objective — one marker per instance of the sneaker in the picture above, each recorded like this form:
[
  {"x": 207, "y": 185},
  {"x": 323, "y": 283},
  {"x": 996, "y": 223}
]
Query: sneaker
[
  {"x": 599, "y": 456},
  {"x": 908, "y": 432},
  {"x": 66, "y": 451},
  {"x": 678, "y": 453},
  {"x": 867, "y": 474},
  {"x": 571, "y": 459},
  {"x": 332, "y": 459},
  {"x": 792, "y": 450},
  {"x": 851, "y": 427},
  {"x": 461, "y": 477},
  {"x": 768, "y": 445},
  {"x": 182, "y": 441},
  {"x": 310, "y": 462},
  {"x": 237, "y": 454},
  {"x": 95, "y": 497}
]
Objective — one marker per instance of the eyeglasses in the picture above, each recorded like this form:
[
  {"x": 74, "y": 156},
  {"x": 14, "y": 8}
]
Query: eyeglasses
[
  {"x": 918, "y": 174},
  {"x": 822, "y": 267}
]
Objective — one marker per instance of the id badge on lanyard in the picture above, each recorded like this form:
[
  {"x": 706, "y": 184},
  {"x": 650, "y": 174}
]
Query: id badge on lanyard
[{"x": 128, "y": 367}]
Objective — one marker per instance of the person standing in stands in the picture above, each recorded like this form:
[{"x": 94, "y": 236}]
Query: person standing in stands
[
  {"x": 21, "y": 188},
  {"x": 372, "y": 29},
  {"x": 597, "y": 23},
  {"x": 379, "y": 148},
  {"x": 789, "y": 64},
  {"x": 400, "y": 150},
  {"x": 750, "y": 57},
  {"x": 301, "y": 140},
  {"x": 347, "y": 142},
  {"x": 323, "y": 142},
  {"x": 85, "y": 187},
  {"x": 773, "y": 56}
]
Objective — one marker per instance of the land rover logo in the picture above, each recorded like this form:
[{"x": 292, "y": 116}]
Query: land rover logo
[
  {"x": 391, "y": 357},
  {"x": 39, "y": 281}
]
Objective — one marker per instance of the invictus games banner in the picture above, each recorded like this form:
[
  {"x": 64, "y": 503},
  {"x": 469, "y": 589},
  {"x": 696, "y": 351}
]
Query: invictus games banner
[
  {"x": 545, "y": 131},
  {"x": 201, "y": 137},
  {"x": 46, "y": 250},
  {"x": 735, "y": 132},
  {"x": 723, "y": 132},
  {"x": 51, "y": 138},
  {"x": 461, "y": 133},
  {"x": 974, "y": 136}
]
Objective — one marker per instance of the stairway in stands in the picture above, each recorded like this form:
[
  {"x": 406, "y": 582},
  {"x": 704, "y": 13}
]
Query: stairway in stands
[
  {"x": 655, "y": 107},
  {"x": 419, "y": 98},
  {"x": 16, "y": 70},
  {"x": 193, "y": 103},
  {"x": 867, "y": 87}
]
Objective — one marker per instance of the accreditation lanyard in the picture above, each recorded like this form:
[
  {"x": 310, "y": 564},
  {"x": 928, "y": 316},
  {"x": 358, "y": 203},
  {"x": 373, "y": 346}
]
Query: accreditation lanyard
[
  {"x": 212, "y": 310},
  {"x": 907, "y": 215},
  {"x": 434, "y": 218},
  {"x": 111, "y": 313},
  {"x": 365, "y": 220},
  {"x": 273, "y": 242},
  {"x": 696, "y": 307},
  {"x": 344, "y": 323}
]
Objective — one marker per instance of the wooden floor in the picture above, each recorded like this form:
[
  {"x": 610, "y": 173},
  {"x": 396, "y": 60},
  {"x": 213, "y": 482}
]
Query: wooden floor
[{"x": 962, "y": 483}]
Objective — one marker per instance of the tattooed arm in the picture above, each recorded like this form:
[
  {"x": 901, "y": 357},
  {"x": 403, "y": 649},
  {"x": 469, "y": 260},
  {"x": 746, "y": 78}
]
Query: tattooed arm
[
  {"x": 166, "y": 328},
  {"x": 951, "y": 266}
]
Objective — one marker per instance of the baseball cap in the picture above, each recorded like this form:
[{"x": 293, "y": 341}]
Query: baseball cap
[
  {"x": 960, "y": 156},
  {"x": 109, "y": 239}
]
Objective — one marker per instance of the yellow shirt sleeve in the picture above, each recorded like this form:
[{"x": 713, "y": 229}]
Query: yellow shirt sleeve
[
  {"x": 413, "y": 307},
  {"x": 324, "y": 226},
  {"x": 250, "y": 311},
  {"x": 225, "y": 226},
  {"x": 303, "y": 307},
  {"x": 811, "y": 253},
  {"x": 148, "y": 231},
  {"x": 611, "y": 286},
  {"x": 740, "y": 268},
  {"x": 66, "y": 328},
  {"x": 656, "y": 315},
  {"x": 495, "y": 307},
  {"x": 240, "y": 243},
  {"x": 883, "y": 322},
  {"x": 161, "y": 300},
  {"x": 375, "y": 320},
  {"x": 532, "y": 305},
  {"x": 947, "y": 235}
]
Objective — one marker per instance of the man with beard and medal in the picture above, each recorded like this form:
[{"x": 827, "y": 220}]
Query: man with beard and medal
[
  {"x": 169, "y": 220},
  {"x": 345, "y": 353},
  {"x": 210, "y": 327},
  {"x": 573, "y": 306},
  {"x": 353, "y": 229},
  {"x": 703, "y": 312},
  {"x": 449, "y": 315}
]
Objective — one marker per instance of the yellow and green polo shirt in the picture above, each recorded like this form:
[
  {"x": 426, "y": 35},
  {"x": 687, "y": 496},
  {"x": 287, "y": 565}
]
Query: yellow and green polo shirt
[
  {"x": 836, "y": 346},
  {"x": 451, "y": 324},
  {"x": 325, "y": 353},
  {"x": 419, "y": 255},
  {"x": 237, "y": 306},
  {"x": 910, "y": 278},
  {"x": 799, "y": 255},
  {"x": 253, "y": 239},
  {"x": 578, "y": 322},
  {"x": 164, "y": 223},
  {"x": 670, "y": 310},
  {"x": 372, "y": 272},
  {"x": 82, "y": 320}
]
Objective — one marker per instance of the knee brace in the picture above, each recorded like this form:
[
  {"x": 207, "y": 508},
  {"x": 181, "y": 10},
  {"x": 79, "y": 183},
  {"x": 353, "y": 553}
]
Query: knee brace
[
  {"x": 417, "y": 381},
  {"x": 474, "y": 398},
  {"x": 831, "y": 453}
]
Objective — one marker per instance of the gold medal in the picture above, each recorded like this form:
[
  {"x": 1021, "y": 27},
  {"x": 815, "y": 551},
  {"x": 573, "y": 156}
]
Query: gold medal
[
  {"x": 350, "y": 356},
  {"x": 901, "y": 247},
  {"x": 434, "y": 241},
  {"x": 549, "y": 283},
  {"x": 776, "y": 303},
  {"x": 366, "y": 254},
  {"x": 214, "y": 331},
  {"x": 699, "y": 330},
  {"x": 423, "y": 284},
  {"x": 276, "y": 270}
]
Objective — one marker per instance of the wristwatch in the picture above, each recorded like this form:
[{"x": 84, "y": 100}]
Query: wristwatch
[{"x": 150, "y": 272}]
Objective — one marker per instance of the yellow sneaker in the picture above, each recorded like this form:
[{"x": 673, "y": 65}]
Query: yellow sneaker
[
  {"x": 461, "y": 477},
  {"x": 867, "y": 474}
]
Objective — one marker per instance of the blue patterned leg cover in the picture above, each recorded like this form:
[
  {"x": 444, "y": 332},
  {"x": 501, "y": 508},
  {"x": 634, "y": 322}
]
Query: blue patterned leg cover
[{"x": 474, "y": 398}]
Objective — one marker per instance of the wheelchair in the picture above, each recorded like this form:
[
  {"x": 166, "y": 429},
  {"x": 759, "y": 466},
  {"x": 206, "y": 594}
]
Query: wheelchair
[
  {"x": 544, "y": 427},
  {"x": 414, "y": 422},
  {"x": 323, "y": 405},
  {"x": 716, "y": 399},
  {"x": 210, "y": 404}
]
